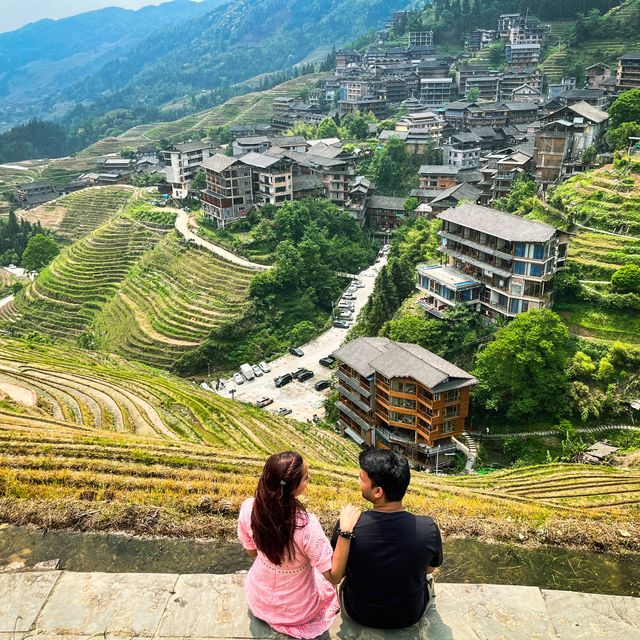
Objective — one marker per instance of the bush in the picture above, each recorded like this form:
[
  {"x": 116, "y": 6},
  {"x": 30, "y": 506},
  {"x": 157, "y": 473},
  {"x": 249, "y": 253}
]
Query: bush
[{"x": 626, "y": 279}]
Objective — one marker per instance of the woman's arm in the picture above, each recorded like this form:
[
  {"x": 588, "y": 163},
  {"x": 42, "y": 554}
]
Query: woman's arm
[{"x": 348, "y": 519}]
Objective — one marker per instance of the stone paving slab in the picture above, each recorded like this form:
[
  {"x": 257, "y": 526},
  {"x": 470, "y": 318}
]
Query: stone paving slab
[
  {"x": 22, "y": 595},
  {"x": 106, "y": 603},
  {"x": 583, "y": 616},
  {"x": 56, "y": 605}
]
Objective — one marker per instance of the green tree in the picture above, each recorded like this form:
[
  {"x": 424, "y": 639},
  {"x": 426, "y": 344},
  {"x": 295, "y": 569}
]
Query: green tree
[
  {"x": 522, "y": 373},
  {"x": 582, "y": 366},
  {"x": 410, "y": 204},
  {"x": 589, "y": 156},
  {"x": 473, "y": 93},
  {"x": 626, "y": 279},
  {"x": 357, "y": 126},
  {"x": 40, "y": 251},
  {"x": 626, "y": 108},
  {"x": 518, "y": 200},
  {"x": 199, "y": 181},
  {"x": 618, "y": 138},
  {"x": 327, "y": 129}
]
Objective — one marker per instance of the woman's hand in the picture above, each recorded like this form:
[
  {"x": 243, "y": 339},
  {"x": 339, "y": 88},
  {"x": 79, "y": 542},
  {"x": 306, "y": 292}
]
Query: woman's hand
[{"x": 349, "y": 517}]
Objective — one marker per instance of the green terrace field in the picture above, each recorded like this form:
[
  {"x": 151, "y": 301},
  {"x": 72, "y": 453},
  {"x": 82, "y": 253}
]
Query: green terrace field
[
  {"x": 93, "y": 443},
  {"x": 66, "y": 296},
  {"x": 61, "y": 171},
  {"x": 602, "y": 325},
  {"x": 250, "y": 107},
  {"x": 607, "y": 198},
  {"x": 131, "y": 286},
  {"x": 170, "y": 301},
  {"x": 74, "y": 216},
  {"x": 599, "y": 255}
]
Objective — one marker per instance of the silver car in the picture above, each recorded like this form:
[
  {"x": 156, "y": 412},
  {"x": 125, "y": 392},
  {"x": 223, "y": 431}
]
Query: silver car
[
  {"x": 237, "y": 378},
  {"x": 264, "y": 366},
  {"x": 257, "y": 370}
]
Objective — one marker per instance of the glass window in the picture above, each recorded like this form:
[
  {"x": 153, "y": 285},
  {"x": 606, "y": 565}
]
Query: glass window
[
  {"x": 452, "y": 396},
  {"x": 405, "y": 403},
  {"x": 514, "y": 306},
  {"x": 535, "y": 270},
  {"x": 405, "y": 418},
  {"x": 519, "y": 267},
  {"x": 538, "y": 251},
  {"x": 521, "y": 249},
  {"x": 448, "y": 427},
  {"x": 452, "y": 411}
]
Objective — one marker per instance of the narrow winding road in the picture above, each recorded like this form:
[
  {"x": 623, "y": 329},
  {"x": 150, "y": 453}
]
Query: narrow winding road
[{"x": 182, "y": 226}]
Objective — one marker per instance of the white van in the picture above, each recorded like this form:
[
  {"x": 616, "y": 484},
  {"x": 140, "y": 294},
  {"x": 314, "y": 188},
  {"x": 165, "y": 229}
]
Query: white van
[{"x": 247, "y": 371}]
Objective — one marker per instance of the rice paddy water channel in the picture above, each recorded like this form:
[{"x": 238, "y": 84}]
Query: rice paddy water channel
[{"x": 469, "y": 561}]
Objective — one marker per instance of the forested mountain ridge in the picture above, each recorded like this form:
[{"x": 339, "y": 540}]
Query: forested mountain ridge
[
  {"x": 223, "y": 46},
  {"x": 42, "y": 58}
]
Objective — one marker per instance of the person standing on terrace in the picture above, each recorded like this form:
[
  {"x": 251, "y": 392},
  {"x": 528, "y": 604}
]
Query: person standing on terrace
[{"x": 290, "y": 584}]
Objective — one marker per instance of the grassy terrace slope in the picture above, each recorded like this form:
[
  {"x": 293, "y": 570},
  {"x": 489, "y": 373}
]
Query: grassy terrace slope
[
  {"x": 184, "y": 459},
  {"x": 170, "y": 301},
  {"x": 78, "y": 214},
  {"x": 65, "y": 298}
]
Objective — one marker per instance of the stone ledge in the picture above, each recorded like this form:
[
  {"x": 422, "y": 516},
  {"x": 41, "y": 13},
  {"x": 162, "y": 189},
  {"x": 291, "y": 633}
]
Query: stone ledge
[{"x": 60, "y": 605}]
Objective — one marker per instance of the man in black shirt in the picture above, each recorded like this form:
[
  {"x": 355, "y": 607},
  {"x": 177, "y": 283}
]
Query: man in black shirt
[{"x": 392, "y": 550}]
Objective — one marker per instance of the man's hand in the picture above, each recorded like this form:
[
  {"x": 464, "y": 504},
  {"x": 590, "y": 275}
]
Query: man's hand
[{"x": 349, "y": 516}]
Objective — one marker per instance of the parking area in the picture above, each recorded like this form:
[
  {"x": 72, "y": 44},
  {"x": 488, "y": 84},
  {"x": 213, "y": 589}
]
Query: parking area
[{"x": 301, "y": 397}]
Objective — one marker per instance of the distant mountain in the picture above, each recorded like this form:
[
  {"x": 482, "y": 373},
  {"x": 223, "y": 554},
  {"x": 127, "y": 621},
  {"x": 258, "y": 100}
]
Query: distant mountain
[
  {"x": 183, "y": 58},
  {"x": 42, "y": 58}
]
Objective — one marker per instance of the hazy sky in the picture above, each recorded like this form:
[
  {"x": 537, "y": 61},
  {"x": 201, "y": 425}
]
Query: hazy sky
[{"x": 15, "y": 13}]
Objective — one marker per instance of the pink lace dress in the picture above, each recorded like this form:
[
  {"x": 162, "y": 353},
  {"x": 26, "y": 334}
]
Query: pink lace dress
[{"x": 292, "y": 598}]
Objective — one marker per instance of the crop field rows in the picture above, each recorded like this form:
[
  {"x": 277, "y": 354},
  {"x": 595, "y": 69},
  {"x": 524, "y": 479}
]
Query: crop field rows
[
  {"x": 110, "y": 395},
  {"x": 170, "y": 301},
  {"x": 68, "y": 294},
  {"x": 250, "y": 107},
  {"x": 78, "y": 214},
  {"x": 573, "y": 486},
  {"x": 599, "y": 255}
]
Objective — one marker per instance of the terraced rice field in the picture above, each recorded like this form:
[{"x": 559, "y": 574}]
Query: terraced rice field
[
  {"x": 98, "y": 392},
  {"x": 9, "y": 179},
  {"x": 61, "y": 171},
  {"x": 565, "y": 486},
  {"x": 599, "y": 255},
  {"x": 250, "y": 107},
  {"x": 6, "y": 280},
  {"x": 170, "y": 301},
  {"x": 78, "y": 214},
  {"x": 65, "y": 298},
  {"x": 606, "y": 198}
]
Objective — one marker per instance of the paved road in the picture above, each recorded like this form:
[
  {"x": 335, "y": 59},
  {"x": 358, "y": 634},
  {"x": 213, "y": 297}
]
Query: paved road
[
  {"x": 301, "y": 397},
  {"x": 182, "y": 226},
  {"x": 6, "y": 300}
]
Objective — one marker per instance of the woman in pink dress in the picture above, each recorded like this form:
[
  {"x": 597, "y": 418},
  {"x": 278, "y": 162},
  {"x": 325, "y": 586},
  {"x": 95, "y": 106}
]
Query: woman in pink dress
[{"x": 290, "y": 585}]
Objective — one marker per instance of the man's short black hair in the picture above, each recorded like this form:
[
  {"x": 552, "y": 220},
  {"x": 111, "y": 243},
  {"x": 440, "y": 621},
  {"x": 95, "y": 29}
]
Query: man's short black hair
[{"x": 388, "y": 470}]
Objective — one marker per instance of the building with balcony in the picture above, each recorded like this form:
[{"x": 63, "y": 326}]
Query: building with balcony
[
  {"x": 462, "y": 150},
  {"x": 229, "y": 192},
  {"x": 435, "y": 92},
  {"x": 508, "y": 21},
  {"x": 32, "y": 194},
  {"x": 182, "y": 163},
  {"x": 507, "y": 170},
  {"x": 420, "y": 39},
  {"x": 425, "y": 122},
  {"x": 522, "y": 55},
  {"x": 488, "y": 87},
  {"x": 628, "y": 74},
  {"x": 400, "y": 396},
  {"x": 513, "y": 260},
  {"x": 444, "y": 287},
  {"x": 272, "y": 181},
  {"x": 479, "y": 39}
]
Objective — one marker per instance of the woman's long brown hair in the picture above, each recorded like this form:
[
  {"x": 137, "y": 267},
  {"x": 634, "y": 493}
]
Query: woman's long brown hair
[{"x": 274, "y": 518}]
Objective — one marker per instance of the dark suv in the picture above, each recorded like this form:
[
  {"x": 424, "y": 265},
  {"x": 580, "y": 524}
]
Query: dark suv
[
  {"x": 285, "y": 378},
  {"x": 327, "y": 361},
  {"x": 296, "y": 351},
  {"x": 302, "y": 374}
]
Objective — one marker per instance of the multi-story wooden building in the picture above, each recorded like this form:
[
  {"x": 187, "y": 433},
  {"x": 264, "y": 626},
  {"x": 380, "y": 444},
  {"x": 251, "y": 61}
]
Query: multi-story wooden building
[
  {"x": 182, "y": 163},
  {"x": 272, "y": 178},
  {"x": 512, "y": 260},
  {"x": 400, "y": 396},
  {"x": 229, "y": 192},
  {"x": 628, "y": 75}
]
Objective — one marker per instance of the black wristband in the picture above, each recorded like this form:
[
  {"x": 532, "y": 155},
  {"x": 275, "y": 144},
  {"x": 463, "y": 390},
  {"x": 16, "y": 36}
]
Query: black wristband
[{"x": 347, "y": 535}]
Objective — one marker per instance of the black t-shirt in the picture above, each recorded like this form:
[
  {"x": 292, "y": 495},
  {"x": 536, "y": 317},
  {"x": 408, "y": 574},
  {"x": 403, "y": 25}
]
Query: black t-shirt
[{"x": 385, "y": 585}]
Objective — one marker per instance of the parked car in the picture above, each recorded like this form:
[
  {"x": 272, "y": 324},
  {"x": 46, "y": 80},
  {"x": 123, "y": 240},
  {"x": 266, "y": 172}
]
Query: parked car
[
  {"x": 264, "y": 402},
  {"x": 345, "y": 304},
  {"x": 348, "y": 296},
  {"x": 257, "y": 370},
  {"x": 285, "y": 378},
  {"x": 345, "y": 315},
  {"x": 296, "y": 351},
  {"x": 305, "y": 375},
  {"x": 321, "y": 384},
  {"x": 327, "y": 361},
  {"x": 247, "y": 371},
  {"x": 238, "y": 379},
  {"x": 264, "y": 366},
  {"x": 340, "y": 324},
  {"x": 282, "y": 411}
]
